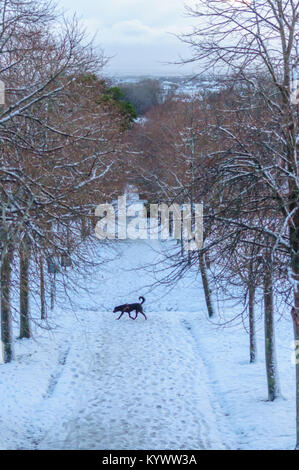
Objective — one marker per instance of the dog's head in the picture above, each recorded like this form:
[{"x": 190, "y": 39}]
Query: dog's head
[{"x": 115, "y": 310}]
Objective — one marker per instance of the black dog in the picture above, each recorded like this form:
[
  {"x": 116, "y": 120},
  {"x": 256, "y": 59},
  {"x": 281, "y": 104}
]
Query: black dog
[{"x": 128, "y": 308}]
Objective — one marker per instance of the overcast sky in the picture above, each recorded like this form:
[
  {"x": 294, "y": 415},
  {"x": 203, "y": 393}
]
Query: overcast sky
[{"x": 136, "y": 32}]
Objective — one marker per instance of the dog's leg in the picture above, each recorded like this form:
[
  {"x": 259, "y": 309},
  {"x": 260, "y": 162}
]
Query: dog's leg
[
  {"x": 123, "y": 311},
  {"x": 121, "y": 315},
  {"x": 136, "y": 315},
  {"x": 127, "y": 310}
]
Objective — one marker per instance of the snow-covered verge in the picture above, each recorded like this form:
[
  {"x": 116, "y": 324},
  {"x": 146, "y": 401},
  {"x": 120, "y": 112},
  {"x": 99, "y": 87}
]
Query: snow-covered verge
[
  {"x": 241, "y": 388},
  {"x": 176, "y": 381}
]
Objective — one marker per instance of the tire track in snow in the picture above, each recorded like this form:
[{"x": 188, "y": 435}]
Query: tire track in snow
[
  {"x": 222, "y": 421},
  {"x": 59, "y": 370}
]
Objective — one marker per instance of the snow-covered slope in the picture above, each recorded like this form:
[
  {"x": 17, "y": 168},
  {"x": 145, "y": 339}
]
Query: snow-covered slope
[{"x": 175, "y": 381}]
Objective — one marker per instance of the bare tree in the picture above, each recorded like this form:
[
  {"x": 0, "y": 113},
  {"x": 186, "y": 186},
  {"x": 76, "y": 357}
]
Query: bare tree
[
  {"x": 262, "y": 36},
  {"x": 58, "y": 141}
]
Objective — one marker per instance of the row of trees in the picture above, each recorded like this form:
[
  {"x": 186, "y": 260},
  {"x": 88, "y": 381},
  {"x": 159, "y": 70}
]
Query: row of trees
[
  {"x": 236, "y": 151},
  {"x": 60, "y": 147}
]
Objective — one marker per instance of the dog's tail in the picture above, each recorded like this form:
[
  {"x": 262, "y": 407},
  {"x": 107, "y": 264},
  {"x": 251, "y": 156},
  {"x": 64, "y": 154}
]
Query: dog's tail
[{"x": 143, "y": 299}]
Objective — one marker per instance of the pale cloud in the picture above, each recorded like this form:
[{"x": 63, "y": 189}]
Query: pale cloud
[
  {"x": 138, "y": 33},
  {"x": 131, "y": 32}
]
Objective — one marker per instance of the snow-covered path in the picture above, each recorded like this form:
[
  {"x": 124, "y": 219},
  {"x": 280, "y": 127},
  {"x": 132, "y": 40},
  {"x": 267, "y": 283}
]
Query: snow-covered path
[
  {"x": 175, "y": 381},
  {"x": 143, "y": 389}
]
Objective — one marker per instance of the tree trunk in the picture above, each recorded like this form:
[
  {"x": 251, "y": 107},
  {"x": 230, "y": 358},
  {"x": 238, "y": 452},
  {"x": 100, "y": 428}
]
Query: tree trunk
[
  {"x": 270, "y": 351},
  {"x": 42, "y": 289},
  {"x": 252, "y": 332},
  {"x": 6, "y": 329},
  {"x": 24, "y": 289},
  {"x": 182, "y": 232},
  {"x": 84, "y": 227},
  {"x": 208, "y": 260},
  {"x": 205, "y": 283}
]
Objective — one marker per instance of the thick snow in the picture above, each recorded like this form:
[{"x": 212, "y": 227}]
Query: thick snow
[{"x": 175, "y": 381}]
